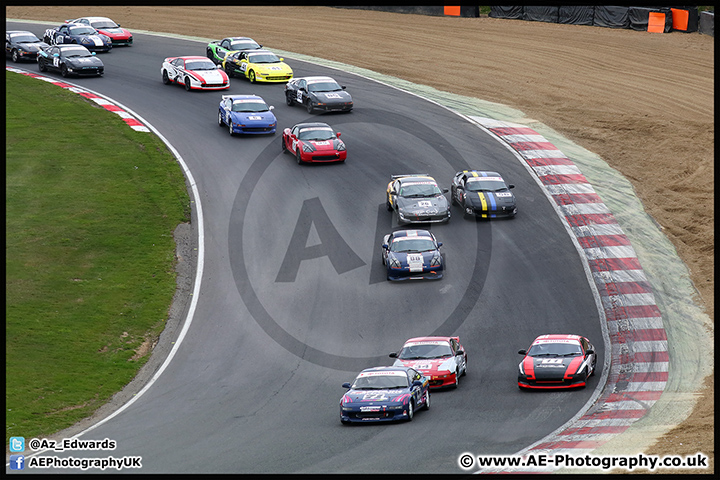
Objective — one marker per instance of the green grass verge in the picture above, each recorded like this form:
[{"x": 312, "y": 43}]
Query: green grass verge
[{"x": 91, "y": 206}]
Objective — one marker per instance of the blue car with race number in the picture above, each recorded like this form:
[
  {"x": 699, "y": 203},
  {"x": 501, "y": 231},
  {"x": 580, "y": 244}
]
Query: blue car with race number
[
  {"x": 246, "y": 114},
  {"x": 412, "y": 255},
  {"x": 385, "y": 394},
  {"x": 80, "y": 34}
]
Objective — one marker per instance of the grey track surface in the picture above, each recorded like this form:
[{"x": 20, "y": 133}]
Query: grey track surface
[{"x": 255, "y": 386}]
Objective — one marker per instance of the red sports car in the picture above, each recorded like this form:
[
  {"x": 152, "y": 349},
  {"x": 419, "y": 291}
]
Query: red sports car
[
  {"x": 557, "y": 361},
  {"x": 314, "y": 143},
  {"x": 442, "y": 359},
  {"x": 104, "y": 25}
]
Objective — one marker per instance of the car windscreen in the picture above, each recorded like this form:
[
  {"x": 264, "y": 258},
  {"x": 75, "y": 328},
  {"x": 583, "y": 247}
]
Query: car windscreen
[
  {"x": 76, "y": 52},
  {"x": 424, "y": 351},
  {"x": 554, "y": 350},
  {"x": 485, "y": 184},
  {"x": 104, "y": 24},
  {"x": 412, "y": 245},
  {"x": 375, "y": 382},
  {"x": 246, "y": 106},
  {"x": 24, "y": 38},
  {"x": 245, "y": 45},
  {"x": 324, "y": 87},
  {"x": 82, "y": 31},
  {"x": 200, "y": 65},
  {"x": 419, "y": 189},
  {"x": 263, "y": 58},
  {"x": 316, "y": 134}
]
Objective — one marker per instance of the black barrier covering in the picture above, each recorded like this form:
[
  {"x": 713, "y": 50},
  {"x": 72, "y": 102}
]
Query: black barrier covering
[
  {"x": 541, "y": 14},
  {"x": 639, "y": 17},
  {"x": 501, "y": 11},
  {"x": 576, "y": 14},
  {"x": 707, "y": 23},
  {"x": 465, "y": 11},
  {"x": 611, "y": 16}
]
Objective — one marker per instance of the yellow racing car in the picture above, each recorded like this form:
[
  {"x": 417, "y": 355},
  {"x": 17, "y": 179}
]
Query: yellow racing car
[{"x": 257, "y": 66}]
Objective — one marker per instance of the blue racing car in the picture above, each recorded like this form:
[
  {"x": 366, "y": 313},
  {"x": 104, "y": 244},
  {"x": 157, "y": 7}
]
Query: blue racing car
[
  {"x": 385, "y": 394},
  {"x": 412, "y": 255},
  {"x": 246, "y": 114}
]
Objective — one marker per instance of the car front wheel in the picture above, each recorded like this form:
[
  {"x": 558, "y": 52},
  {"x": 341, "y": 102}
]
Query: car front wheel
[
  {"x": 165, "y": 78},
  {"x": 309, "y": 107},
  {"x": 187, "y": 84},
  {"x": 410, "y": 411},
  {"x": 64, "y": 71},
  {"x": 426, "y": 404},
  {"x": 251, "y": 76},
  {"x": 220, "y": 120}
]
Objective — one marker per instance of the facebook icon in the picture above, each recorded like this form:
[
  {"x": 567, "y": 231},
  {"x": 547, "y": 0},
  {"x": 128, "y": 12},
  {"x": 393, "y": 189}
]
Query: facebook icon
[{"x": 17, "y": 462}]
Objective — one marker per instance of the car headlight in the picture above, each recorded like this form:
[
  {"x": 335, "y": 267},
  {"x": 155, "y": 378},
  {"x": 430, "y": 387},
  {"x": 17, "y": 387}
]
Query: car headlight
[
  {"x": 308, "y": 147},
  {"x": 340, "y": 147},
  {"x": 394, "y": 262},
  {"x": 436, "y": 260},
  {"x": 521, "y": 369}
]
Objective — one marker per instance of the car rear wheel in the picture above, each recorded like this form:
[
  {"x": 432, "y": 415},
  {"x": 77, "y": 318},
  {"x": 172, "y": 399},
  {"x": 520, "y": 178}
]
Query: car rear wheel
[
  {"x": 165, "y": 78},
  {"x": 187, "y": 84}
]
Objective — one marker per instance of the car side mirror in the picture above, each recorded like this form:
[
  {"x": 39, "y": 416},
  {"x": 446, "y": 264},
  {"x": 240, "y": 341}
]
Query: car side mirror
[
  {"x": 417, "y": 383},
  {"x": 522, "y": 352},
  {"x": 343, "y": 87},
  {"x": 346, "y": 385},
  {"x": 385, "y": 246},
  {"x": 271, "y": 107},
  {"x": 439, "y": 244},
  {"x": 337, "y": 134},
  {"x": 393, "y": 354},
  {"x": 282, "y": 59},
  {"x": 445, "y": 190},
  {"x": 57, "y": 54},
  {"x": 589, "y": 351},
  {"x": 460, "y": 352},
  {"x": 511, "y": 186}
]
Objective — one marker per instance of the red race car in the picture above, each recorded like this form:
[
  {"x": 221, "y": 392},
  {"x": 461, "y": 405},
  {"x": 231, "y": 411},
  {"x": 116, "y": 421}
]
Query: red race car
[
  {"x": 314, "y": 143},
  {"x": 557, "y": 361},
  {"x": 104, "y": 25},
  {"x": 442, "y": 359}
]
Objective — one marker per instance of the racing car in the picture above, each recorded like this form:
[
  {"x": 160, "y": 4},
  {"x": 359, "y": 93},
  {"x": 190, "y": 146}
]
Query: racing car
[
  {"x": 483, "y": 194},
  {"x": 70, "y": 60},
  {"x": 257, "y": 66},
  {"x": 412, "y": 255},
  {"x": 80, "y": 34},
  {"x": 442, "y": 359},
  {"x": 556, "y": 361},
  {"x": 22, "y": 45},
  {"x": 385, "y": 394},
  {"x": 246, "y": 114},
  {"x": 313, "y": 142},
  {"x": 117, "y": 34},
  {"x": 195, "y": 72},
  {"x": 218, "y": 49},
  {"x": 417, "y": 198},
  {"x": 318, "y": 93}
]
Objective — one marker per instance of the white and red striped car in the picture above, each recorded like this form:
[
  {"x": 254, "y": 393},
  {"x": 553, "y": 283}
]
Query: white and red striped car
[{"x": 195, "y": 73}]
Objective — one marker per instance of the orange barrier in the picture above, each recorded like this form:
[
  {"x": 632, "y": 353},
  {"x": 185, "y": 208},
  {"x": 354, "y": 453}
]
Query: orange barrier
[
  {"x": 656, "y": 22},
  {"x": 680, "y": 19},
  {"x": 454, "y": 11}
]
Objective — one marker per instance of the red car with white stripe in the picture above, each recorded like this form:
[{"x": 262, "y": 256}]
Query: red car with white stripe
[
  {"x": 557, "y": 361},
  {"x": 195, "y": 73},
  {"x": 441, "y": 359}
]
